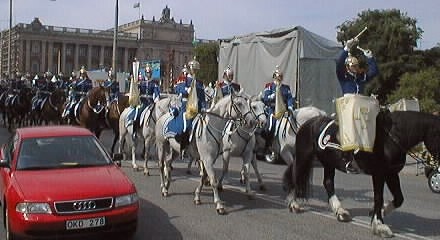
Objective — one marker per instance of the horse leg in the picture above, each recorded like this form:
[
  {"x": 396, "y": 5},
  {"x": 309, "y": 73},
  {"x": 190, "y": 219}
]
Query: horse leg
[
  {"x": 132, "y": 145},
  {"x": 393, "y": 183},
  {"x": 146, "y": 153},
  {"x": 115, "y": 139},
  {"x": 257, "y": 173},
  {"x": 202, "y": 180},
  {"x": 160, "y": 155},
  {"x": 226, "y": 156},
  {"x": 209, "y": 168},
  {"x": 245, "y": 174},
  {"x": 341, "y": 213},
  {"x": 377, "y": 224}
]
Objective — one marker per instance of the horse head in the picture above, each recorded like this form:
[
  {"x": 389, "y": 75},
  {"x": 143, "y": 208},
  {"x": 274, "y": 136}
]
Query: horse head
[{"x": 96, "y": 98}]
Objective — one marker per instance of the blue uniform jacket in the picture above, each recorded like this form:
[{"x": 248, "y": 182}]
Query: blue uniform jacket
[
  {"x": 350, "y": 83},
  {"x": 82, "y": 85},
  {"x": 229, "y": 88},
  {"x": 269, "y": 97},
  {"x": 181, "y": 88},
  {"x": 149, "y": 91}
]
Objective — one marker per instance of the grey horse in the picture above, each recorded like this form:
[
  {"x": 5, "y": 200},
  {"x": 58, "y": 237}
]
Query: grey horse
[{"x": 206, "y": 143}]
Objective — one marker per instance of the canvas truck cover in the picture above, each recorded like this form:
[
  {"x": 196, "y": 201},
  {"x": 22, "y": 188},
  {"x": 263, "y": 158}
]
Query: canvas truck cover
[{"x": 307, "y": 60}]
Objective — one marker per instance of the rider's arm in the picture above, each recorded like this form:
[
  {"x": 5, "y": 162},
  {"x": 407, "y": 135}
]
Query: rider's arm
[{"x": 340, "y": 65}]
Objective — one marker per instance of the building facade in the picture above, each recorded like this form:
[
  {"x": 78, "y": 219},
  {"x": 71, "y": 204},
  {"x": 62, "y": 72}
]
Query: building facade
[{"x": 37, "y": 48}]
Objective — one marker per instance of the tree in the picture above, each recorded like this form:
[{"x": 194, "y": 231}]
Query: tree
[
  {"x": 423, "y": 85},
  {"x": 207, "y": 56},
  {"x": 392, "y": 37}
]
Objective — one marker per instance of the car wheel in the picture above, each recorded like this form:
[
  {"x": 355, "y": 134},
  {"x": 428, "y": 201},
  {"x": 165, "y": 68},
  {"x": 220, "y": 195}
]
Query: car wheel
[{"x": 434, "y": 181}]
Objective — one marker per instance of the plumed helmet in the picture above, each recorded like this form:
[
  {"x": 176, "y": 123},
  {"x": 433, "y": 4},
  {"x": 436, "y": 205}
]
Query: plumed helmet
[
  {"x": 83, "y": 70},
  {"x": 148, "y": 68},
  {"x": 351, "y": 60},
  {"x": 194, "y": 64},
  {"x": 49, "y": 74},
  {"x": 277, "y": 74},
  {"x": 228, "y": 73}
]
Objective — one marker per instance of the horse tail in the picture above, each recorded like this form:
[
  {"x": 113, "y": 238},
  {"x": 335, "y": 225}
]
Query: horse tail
[{"x": 288, "y": 179}]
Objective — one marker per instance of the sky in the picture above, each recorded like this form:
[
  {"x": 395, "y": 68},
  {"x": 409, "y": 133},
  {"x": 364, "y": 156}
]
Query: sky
[{"x": 215, "y": 19}]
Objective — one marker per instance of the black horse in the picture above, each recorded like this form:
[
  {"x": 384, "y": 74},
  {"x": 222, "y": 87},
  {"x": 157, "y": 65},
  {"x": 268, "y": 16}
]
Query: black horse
[{"x": 396, "y": 134}]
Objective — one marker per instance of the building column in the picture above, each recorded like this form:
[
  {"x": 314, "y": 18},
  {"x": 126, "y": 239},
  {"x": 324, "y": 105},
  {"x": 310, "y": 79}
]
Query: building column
[
  {"x": 101, "y": 56},
  {"x": 28, "y": 55},
  {"x": 63, "y": 57},
  {"x": 125, "y": 65},
  {"x": 89, "y": 56},
  {"x": 76, "y": 57},
  {"x": 43, "y": 55},
  {"x": 50, "y": 55}
]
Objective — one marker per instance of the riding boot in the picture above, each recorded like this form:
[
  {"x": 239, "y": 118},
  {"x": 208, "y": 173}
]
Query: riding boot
[
  {"x": 268, "y": 148},
  {"x": 351, "y": 168}
]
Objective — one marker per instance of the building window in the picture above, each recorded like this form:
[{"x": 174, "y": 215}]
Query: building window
[
  {"x": 35, "y": 47},
  {"x": 69, "y": 51},
  {"x": 82, "y": 51}
]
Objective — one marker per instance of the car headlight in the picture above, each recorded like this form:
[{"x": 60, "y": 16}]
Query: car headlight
[
  {"x": 126, "y": 200},
  {"x": 33, "y": 208}
]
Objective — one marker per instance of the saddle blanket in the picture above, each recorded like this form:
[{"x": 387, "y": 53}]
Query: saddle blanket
[
  {"x": 356, "y": 116},
  {"x": 175, "y": 125}
]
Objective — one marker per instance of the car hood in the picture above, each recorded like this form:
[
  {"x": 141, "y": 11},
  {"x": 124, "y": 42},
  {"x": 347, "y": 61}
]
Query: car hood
[{"x": 73, "y": 183}]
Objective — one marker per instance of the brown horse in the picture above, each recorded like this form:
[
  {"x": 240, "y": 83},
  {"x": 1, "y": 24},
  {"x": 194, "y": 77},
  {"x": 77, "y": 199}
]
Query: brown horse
[
  {"x": 91, "y": 110},
  {"x": 53, "y": 107},
  {"x": 18, "y": 108},
  {"x": 114, "y": 111}
]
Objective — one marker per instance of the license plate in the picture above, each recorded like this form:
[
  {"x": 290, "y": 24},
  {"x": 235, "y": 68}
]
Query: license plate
[{"x": 85, "y": 223}]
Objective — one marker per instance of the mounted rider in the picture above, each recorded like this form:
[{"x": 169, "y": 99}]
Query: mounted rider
[
  {"x": 112, "y": 84},
  {"x": 192, "y": 94},
  {"x": 353, "y": 73},
  {"x": 78, "y": 91},
  {"x": 149, "y": 93},
  {"x": 226, "y": 86},
  {"x": 41, "y": 85},
  {"x": 276, "y": 96}
]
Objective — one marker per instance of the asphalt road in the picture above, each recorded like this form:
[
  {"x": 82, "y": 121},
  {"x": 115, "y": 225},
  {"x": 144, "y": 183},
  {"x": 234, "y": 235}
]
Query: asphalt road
[{"x": 266, "y": 216}]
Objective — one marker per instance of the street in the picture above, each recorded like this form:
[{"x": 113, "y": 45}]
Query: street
[{"x": 266, "y": 216}]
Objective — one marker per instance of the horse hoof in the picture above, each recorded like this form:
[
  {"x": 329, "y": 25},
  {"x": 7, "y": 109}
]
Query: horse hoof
[
  {"x": 263, "y": 188},
  {"x": 383, "y": 231},
  {"x": 220, "y": 188},
  {"x": 251, "y": 196},
  {"x": 197, "y": 202},
  {"x": 221, "y": 211},
  {"x": 343, "y": 217},
  {"x": 164, "y": 194}
]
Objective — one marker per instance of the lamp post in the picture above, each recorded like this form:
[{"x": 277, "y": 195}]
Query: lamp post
[
  {"x": 115, "y": 37},
  {"x": 9, "y": 40}
]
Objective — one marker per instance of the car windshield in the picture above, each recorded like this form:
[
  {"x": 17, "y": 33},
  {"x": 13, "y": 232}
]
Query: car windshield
[{"x": 61, "y": 152}]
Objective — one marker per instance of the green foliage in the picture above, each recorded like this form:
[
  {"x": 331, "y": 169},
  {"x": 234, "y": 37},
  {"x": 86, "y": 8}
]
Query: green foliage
[
  {"x": 207, "y": 56},
  {"x": 392, "y": 37},
  {"x": 423, "y": 85}
]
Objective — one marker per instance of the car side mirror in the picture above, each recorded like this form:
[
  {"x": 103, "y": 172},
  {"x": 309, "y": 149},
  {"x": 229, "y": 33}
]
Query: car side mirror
[{"x": 4, "y": 163}]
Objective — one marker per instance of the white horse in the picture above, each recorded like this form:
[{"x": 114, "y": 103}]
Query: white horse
[
  {"x": 241, "y": 143},
  {"x": 286, "y": 129},
  {"x": 206, "y": 144}
]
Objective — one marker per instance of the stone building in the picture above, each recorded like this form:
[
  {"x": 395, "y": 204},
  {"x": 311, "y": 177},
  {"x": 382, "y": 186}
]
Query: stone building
[{"x": 37, "y": 48}]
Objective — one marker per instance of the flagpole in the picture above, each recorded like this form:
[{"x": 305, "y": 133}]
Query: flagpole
[{"x": 115, "y": 36}]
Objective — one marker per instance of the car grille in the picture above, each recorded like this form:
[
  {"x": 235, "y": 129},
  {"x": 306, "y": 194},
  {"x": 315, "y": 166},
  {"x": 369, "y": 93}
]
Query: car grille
[{"x": 83, "y": 205}]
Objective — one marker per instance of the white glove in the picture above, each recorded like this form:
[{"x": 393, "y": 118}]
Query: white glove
[
  {"x": 188, "y": 89},
  {"x": 350, "y": 44},
  {"x": 272, "y": 96},
  {"x": 368, "y": 53}
]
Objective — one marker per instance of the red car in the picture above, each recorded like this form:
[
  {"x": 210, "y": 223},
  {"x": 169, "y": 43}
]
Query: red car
[{"x": 59, "y": 181}]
